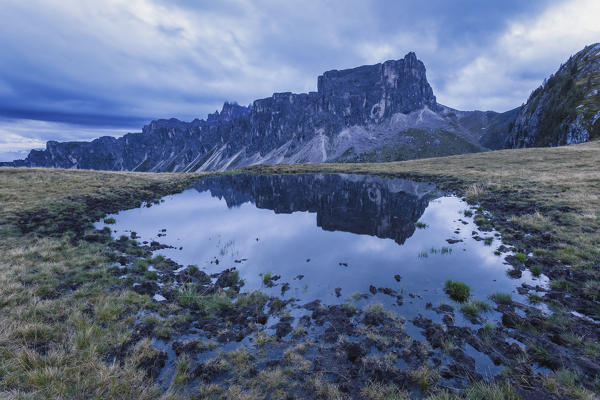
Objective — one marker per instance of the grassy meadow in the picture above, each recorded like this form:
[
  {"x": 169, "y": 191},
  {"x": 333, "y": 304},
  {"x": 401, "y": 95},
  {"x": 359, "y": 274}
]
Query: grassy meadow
[{"x": 66, "y": 327}]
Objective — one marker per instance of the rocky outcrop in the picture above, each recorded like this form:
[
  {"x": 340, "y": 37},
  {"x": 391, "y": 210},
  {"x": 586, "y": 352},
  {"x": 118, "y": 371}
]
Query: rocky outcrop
[{"x": 565, "y": 109}]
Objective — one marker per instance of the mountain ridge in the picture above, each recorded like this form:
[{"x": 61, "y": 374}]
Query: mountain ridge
[{"x": 381, "y": 112}]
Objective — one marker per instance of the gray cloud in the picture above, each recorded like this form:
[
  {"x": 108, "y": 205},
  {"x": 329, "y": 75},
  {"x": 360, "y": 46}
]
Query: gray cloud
[{"x": 113, "y": 63}]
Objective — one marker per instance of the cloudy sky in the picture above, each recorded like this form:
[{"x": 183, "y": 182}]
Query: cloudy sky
[{"x": 78, "y": 69}]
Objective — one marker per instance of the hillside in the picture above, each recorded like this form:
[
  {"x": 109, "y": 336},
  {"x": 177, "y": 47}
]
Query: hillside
[{"x": 565, "y": 109}]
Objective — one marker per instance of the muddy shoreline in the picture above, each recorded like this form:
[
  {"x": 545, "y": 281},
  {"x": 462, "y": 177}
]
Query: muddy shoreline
[{"x": 348, "y": 348}]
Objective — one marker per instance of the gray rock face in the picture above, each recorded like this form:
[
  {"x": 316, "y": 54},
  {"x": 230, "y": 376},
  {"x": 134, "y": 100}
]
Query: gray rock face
[
  {"x": 359, "y": 103},
  {"x": 565, "y": 109},
  {"x": 381, "y": 112},
  {"x": 374, "y": 92}
]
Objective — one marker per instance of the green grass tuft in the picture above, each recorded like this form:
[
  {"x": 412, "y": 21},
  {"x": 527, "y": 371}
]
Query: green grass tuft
[
  {"x": 501, "y": 298},
  {"x": 474, "y": 307},
  {"x": 267, "y": 277},
  {"x": 536, "y": 270},
  {"x": 457, "y": 291},
  {"x": 521, "y": 257}
]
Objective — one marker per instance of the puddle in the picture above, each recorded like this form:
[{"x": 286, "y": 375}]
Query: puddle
[
  {"x": 339, "y": 231},
  {"x": 483, "y": 364},
  {"x": 585, "y": 317},
  {"x": 336, "y": 238}
]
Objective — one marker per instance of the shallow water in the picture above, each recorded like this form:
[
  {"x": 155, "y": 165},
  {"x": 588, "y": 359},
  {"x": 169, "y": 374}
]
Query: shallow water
[
  {"x": 339, "y": 231},
  {"x": 320, "y": 233}
]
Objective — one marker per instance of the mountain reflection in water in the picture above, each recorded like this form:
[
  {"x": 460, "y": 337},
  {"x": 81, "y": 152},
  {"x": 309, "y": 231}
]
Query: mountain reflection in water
[{"x": 370, "y": 205}]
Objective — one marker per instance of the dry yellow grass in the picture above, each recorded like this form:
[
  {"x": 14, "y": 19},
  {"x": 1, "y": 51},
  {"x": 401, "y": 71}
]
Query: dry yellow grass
[
  {"x": 28, "y": 189},
  {"x": 56, "y": 343}
]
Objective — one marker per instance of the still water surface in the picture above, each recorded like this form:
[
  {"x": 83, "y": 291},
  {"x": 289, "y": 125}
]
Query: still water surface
[{"x": 329, "y": 237}]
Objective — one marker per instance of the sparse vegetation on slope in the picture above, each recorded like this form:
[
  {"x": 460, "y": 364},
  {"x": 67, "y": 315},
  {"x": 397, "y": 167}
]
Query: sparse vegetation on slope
[
  {"x": 416, "y": 143},
  {"x": 565, "y": 109}
]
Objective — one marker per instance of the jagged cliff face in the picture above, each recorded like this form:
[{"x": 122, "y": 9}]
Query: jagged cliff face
[
  {"x": 374, "y": 92},
  {"x": 355, "y": 112},
  {"x": 566, "y": 109}
]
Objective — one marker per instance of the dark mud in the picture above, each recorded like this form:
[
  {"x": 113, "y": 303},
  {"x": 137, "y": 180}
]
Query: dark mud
[{"x": 343, "y": 345}]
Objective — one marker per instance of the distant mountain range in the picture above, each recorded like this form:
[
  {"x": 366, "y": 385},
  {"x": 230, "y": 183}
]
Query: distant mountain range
[{"x": 381, "y": 112}]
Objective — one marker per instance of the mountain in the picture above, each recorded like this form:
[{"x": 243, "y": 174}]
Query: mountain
[
  {"x": 374, "y": 112},
  {"x": 381, "y": 112},
  {"x": 565, "y": 109}
]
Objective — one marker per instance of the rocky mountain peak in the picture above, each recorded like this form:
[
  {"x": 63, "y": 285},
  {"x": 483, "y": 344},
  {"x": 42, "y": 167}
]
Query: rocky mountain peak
[
  {"x": 380, "y": 112},
  {"x": 285, "y": 127},
  {"x": 229, "y": 112},
  {"x": 375, "y": 92}
]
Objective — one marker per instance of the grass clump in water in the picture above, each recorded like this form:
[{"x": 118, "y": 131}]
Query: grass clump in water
[
  {"x": 536, "y": 270},
  {"x": 445, "y": 250},
  {"x": 474, "y": 307},
  {"x": 356, "y": 296},
  {"x": 217, "y": 301},
  {"x": 261, "y": 338},
  {"x": 109, "y": 221},
  {"x": 521, "y": 257},
  {"x": 188, "y": 295},
  {"x": 378, "y": 391},
  {"x": 140, "y": 265},
  {"x": 501, "y": 298},
  {"x": 561, "y": 284},
  {"x": 252, "y": 299},
  {"x": 421, "y": 225},
  {"x": 182, "y": 370},
  {"x": 150, "y": 275},
  {"x": 491, "y": 391},
  {"x": 299, "y": 331},
  {"x": 267, "y": 276},
  {"x": 374, "y": 308},
  {"x": 514, "y": 273},
  {"x": 424, "y": 377},
  {"x": 534, "y": 298},
  {"x": 457, "y": 291}
]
